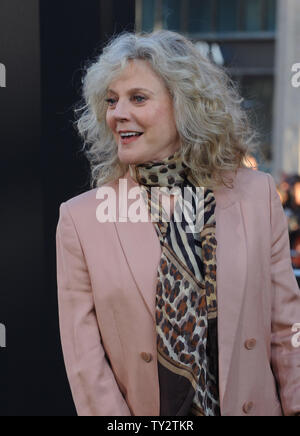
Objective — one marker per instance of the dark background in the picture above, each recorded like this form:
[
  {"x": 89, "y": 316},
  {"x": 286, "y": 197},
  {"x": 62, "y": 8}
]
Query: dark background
[{"x": 44, "y": 46}]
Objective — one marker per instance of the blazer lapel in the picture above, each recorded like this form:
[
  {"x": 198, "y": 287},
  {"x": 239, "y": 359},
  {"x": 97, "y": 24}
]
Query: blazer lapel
[
  {"x": 141, "y": 247},
  {"x": 142, "y": 250},
  {"x": 231, "y": 275}
]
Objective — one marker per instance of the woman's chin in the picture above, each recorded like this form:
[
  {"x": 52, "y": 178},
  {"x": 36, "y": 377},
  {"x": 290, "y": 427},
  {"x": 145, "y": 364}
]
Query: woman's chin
[{"x": 127, "y": 156}]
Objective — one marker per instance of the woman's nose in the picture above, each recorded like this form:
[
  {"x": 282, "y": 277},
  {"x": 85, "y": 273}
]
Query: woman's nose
[{"x": 121, "y": 111}]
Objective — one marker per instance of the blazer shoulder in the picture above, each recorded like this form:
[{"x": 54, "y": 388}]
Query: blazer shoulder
[
  {"x": 82, "y": 208},
  {"x": 247, "y": 175},
  {"x": 253, "y": 183},
  {"x": 81, "y": 201},
  {"x": 86, "y": 199}
]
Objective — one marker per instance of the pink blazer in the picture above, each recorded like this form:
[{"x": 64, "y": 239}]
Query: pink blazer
[{"x": 106, "y": 275}]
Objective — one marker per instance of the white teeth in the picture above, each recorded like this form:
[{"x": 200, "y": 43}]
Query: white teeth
[{"x": 124, "y": 135}]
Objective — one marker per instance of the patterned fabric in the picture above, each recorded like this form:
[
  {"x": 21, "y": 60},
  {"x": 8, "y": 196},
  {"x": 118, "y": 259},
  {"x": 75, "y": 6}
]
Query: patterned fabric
[{"x": 186, "y": 296}]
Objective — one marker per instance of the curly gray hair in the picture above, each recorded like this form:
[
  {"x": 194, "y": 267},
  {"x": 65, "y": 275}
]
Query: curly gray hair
[{"x": 215, "y": 131}]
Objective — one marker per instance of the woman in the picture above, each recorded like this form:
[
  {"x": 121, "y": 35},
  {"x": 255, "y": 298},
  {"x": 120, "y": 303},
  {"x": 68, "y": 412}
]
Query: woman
[{"x": 158, "y": 316}]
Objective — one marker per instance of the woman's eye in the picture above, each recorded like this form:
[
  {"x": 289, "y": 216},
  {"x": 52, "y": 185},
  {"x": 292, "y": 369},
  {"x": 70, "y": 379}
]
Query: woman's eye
[
  {"x": 139, "y": 98},
  {"x": 136, "y": 98},
  {"x": 110, "y": 101}
]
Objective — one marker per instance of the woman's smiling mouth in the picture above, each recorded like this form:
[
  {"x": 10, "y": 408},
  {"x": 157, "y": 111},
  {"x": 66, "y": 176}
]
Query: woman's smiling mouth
[{"x": 129, "y": 136}]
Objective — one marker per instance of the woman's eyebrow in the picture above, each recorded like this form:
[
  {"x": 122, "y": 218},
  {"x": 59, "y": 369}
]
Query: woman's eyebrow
[
  {"x": 133, "y": 90},
  {"x": 141, "y": 89}
]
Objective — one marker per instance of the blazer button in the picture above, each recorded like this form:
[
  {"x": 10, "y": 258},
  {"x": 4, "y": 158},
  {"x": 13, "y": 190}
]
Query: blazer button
[
  {"x": 247, "y": 407},
  {"x": 147, "y": 357},
  {"x": 250, "y": 344}
]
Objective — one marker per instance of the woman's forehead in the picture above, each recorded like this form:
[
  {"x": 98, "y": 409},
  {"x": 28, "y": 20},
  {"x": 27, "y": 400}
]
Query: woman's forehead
[{"x": 137, "y": 74}]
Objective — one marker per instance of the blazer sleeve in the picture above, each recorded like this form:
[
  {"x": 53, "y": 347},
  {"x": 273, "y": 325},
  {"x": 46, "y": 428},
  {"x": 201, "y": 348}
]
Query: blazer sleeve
[
  {"x": 93, "y": 385},
  {"x": 285, "y": 311}
]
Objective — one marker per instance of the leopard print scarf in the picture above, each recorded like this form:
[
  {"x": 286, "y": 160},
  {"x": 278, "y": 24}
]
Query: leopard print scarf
[{"x": 186, "y": 298}]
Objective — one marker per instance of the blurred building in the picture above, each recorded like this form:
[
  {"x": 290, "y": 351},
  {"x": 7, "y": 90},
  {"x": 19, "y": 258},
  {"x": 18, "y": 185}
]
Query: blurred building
[
  {"x": 256, "y": 41},
  {"x": 286, "y": 147}
]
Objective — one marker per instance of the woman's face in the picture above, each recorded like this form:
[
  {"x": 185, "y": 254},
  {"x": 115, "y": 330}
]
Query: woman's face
[{"x": 140, "y": 104}]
